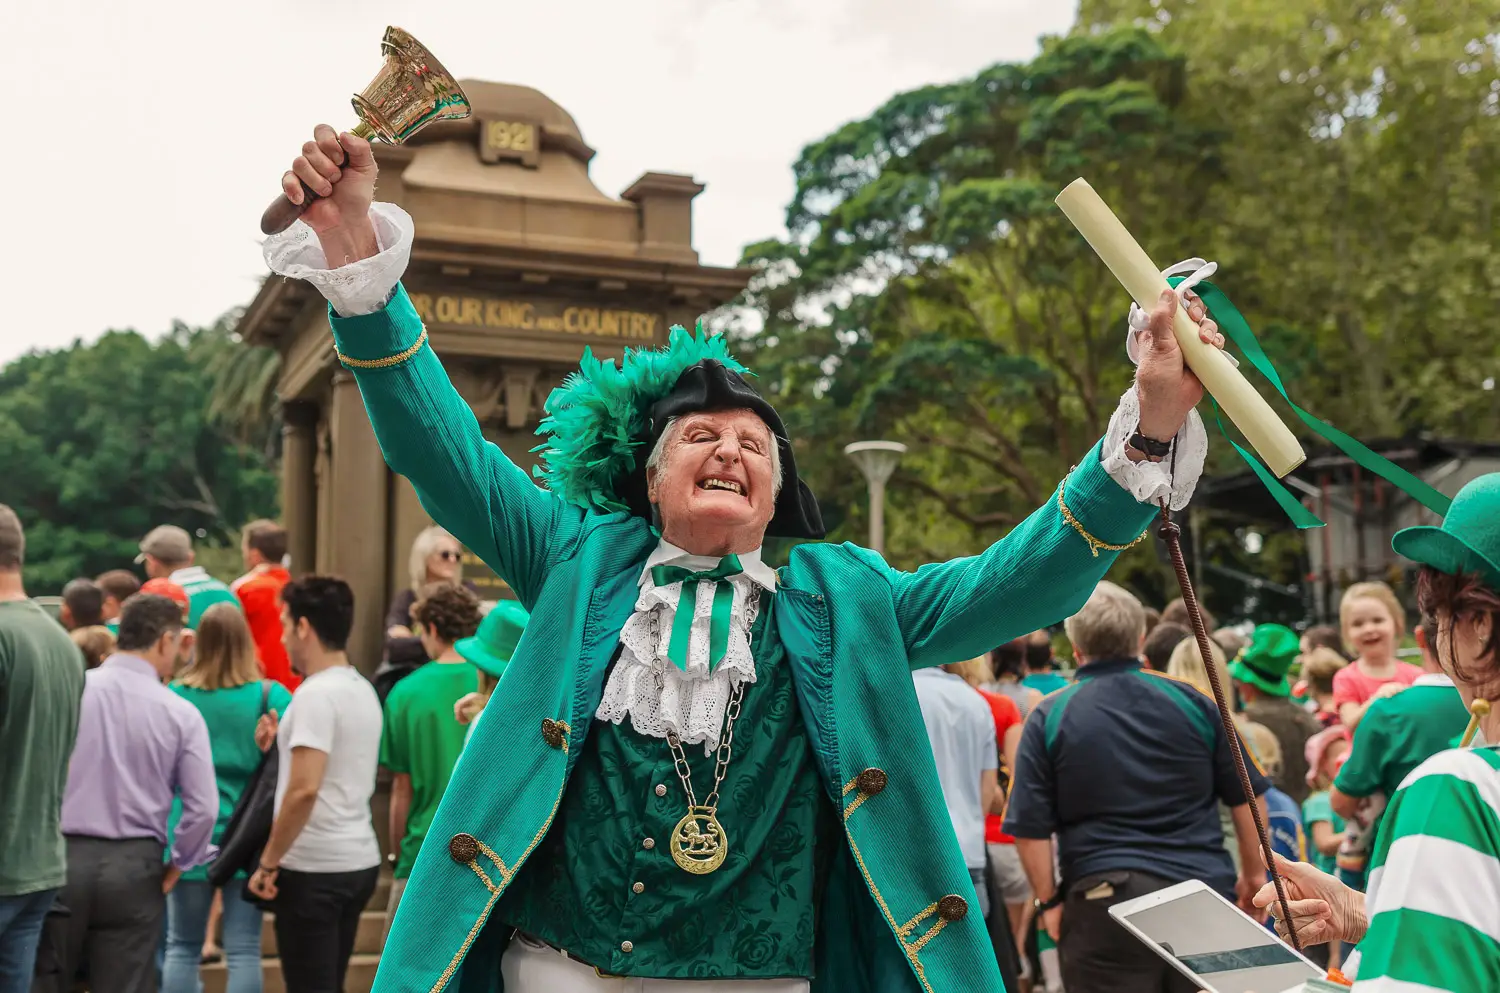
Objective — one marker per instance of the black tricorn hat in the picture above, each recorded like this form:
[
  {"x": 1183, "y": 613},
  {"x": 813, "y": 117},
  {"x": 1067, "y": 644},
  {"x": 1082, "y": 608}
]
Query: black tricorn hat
[
  {"x": 603, "y": 422},
  {"x": 710, "y": 386}
]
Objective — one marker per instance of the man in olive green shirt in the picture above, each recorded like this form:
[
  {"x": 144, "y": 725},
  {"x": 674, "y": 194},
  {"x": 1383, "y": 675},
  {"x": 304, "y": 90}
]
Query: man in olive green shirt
[
  {"x": 41, "y": 688},
  {"x": 422, "y": 737}
]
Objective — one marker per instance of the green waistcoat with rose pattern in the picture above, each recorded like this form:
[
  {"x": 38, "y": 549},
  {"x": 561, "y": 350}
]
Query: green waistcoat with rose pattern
[{"x": 753, "y": 917}]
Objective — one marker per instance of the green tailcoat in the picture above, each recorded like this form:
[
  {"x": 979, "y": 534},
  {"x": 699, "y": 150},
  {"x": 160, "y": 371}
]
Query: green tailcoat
[{"x": 853, "y": 629}]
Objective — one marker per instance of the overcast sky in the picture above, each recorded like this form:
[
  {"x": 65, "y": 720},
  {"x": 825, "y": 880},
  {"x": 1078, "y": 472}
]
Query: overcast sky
[{"x": 146, "y": 138}]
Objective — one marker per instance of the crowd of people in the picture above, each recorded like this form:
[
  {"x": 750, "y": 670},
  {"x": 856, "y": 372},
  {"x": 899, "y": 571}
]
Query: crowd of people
[
  {"x": 133, "y": 728},
  {"x": 1117, "y": 781},
  {"x": 136, "y": 724},
  {"x": 565, "y": 841}
]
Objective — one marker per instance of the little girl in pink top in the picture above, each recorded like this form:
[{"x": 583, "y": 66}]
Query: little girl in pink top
[{"x": 1373, "y": 623}]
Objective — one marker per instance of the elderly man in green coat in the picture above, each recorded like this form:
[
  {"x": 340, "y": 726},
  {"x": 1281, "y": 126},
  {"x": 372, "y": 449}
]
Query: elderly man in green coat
[{"x": 700, "y": 773}]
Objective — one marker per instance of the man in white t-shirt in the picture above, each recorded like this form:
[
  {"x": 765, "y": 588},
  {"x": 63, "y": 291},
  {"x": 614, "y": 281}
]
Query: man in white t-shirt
[
  {"x": 320, "y": 865},
  {"x": 961, "y": 728}
]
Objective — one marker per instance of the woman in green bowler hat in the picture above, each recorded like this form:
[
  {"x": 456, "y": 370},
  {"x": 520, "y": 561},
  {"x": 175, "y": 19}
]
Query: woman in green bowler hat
[
  {"x": 1427, "y": 921},
  {"x": 490, "y": 649}
]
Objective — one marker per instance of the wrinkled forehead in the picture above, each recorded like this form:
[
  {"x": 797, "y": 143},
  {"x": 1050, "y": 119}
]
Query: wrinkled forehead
[{"x": 741, "y": 420}]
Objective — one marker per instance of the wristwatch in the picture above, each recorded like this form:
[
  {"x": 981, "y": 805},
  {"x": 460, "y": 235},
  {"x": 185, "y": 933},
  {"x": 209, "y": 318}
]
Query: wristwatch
[
  {"x": 1154, "y": 450},
  {"x": 1042, "y": 906}
]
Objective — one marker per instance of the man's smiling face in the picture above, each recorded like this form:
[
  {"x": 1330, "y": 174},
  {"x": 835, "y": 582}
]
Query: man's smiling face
[{"x": 714, "y": 481}]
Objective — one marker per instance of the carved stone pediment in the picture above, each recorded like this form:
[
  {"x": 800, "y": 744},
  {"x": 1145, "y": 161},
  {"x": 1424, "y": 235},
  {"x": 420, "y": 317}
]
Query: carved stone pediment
[
  {"x": 507, "y": 394},
  {"x": 479, "y": 384},
  {"x": 520, "y": 383}
]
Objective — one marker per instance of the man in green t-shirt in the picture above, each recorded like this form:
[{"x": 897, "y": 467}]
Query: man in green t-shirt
[
  {"x": 167, "y": 553},
  {"x": 1399, "y": 733},
  {"x": 422, "y": 738},
  {"x": 41, "y": 689}
]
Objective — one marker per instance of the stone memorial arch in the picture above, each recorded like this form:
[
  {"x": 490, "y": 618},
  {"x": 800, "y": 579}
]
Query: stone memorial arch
[{"x": 520, "y": 261}]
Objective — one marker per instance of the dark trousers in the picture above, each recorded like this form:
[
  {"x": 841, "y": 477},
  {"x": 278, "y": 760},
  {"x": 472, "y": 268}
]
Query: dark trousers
[
  {"x": 1097, "y": 954},
  {"x": 114, "y": 913},
  {"x": 317, "y": 915}
]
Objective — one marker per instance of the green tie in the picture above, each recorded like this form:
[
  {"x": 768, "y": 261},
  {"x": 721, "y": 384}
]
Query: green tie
[{"x": 718, "y": 629}]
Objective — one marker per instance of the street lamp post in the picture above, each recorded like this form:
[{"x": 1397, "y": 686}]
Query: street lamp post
[{"x": 877, "y": 460}]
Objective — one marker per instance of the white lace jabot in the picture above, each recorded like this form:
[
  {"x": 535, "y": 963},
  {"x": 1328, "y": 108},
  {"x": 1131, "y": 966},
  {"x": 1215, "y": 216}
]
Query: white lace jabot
[{"x": 646, "y": 686}]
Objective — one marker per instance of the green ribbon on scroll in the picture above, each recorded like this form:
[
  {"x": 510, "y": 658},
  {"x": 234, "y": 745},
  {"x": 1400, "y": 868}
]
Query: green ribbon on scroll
[
  {"x": 1237, "y": 330},
  {"x": 682, "y": 625}
]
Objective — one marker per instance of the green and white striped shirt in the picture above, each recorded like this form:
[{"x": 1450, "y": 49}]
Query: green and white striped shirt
[{"x": 1434, "y": 893}]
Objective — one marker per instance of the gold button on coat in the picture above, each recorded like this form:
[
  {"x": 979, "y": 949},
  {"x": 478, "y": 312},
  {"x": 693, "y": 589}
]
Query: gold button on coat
[
  {"x": 552, "y": 732},
  {"x": 638, "y": 888},
  {"x": 953, "y": 908},
  {"x": 627, "y": 947},
  {"x": 661, "y": 789},
  {"x": 462, "y": 848},
  {"x": 649, "y": 844},
  {"x": 872, "y": 781}
]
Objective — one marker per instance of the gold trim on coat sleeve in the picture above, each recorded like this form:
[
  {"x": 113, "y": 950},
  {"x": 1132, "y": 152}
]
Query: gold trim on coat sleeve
[
  {"x": 1095, "y": 545},
  {"x": 389, "y": 360}
]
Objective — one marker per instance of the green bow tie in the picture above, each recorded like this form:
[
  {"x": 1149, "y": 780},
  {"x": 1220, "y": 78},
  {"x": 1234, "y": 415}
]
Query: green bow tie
[{"x": 682, "y": 625}]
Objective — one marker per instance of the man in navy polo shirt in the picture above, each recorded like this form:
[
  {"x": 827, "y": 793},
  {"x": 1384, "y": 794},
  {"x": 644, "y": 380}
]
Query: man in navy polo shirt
[{"x": 1126, "y": 768}]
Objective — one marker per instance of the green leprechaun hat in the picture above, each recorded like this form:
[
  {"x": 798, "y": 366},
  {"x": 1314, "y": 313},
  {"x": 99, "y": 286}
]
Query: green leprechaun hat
[
  {"x": 1468, "y": 542},
  {"x": 1265, "y": 662},
  {"x": 491, "y": 647}
]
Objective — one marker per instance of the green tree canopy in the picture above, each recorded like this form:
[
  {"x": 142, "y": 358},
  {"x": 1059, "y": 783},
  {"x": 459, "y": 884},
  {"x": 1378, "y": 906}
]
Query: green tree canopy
[
  {"x": 105, "y": 440},
  {"x": 931, "y": 291},
  {"x": 1336, "y": 158},
  {"x": 1359, "y": 216}
]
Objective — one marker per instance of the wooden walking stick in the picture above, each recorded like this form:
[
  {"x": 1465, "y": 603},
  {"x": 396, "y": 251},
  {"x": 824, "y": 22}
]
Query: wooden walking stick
[{"x": 1172, "y": 535}]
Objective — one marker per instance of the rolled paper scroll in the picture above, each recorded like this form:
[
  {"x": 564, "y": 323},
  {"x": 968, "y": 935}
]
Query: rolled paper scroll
[{"x": 1142, "y": 279}]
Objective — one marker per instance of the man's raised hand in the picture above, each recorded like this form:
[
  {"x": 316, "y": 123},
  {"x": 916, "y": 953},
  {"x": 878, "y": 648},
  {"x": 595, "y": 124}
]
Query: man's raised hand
[
  {"x": 341, "y": 170},
  {"x": 1167, "y": 388}
]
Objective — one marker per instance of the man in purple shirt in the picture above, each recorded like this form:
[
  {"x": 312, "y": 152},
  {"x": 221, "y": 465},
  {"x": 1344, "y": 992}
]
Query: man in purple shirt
[{"x": 139, "y": 746}]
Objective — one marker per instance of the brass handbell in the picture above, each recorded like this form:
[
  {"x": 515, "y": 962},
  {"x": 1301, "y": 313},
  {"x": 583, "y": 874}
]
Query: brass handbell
[{"x": 411, "y": 91}]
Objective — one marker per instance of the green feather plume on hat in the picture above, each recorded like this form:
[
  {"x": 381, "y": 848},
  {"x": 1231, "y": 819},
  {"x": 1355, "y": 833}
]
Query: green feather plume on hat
[{"x": 597, "y": 420}]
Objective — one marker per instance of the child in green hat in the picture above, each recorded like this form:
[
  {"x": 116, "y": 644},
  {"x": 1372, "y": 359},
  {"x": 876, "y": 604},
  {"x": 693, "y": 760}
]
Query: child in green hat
[{"x": 490, "y": 649}]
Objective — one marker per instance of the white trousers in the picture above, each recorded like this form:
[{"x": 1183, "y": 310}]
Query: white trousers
[{"x": 528, "y": 967}]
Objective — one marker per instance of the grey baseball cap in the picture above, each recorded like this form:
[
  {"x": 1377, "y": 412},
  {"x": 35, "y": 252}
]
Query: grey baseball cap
[{"x": 167, "y": 542}]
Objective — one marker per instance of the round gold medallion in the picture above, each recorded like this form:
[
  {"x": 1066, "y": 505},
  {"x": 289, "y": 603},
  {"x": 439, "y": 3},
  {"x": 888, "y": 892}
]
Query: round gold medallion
[{"x": 698, "y": 842}]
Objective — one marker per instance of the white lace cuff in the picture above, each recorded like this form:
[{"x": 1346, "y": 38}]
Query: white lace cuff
[
  {"x": 1149, "y": 482},
  {"x": 361, "y": 287}
]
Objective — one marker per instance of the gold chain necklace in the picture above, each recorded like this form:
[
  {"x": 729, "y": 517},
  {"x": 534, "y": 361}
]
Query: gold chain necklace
[{"x": 699, "y": 843}]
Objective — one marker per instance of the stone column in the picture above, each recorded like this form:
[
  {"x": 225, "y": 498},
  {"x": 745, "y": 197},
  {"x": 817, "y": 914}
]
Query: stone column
[
  {"x": 359, "y": 518},
  {"x": 299, "y": 486}
]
